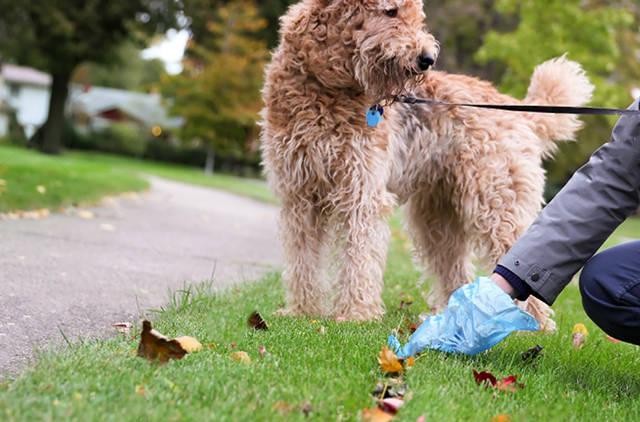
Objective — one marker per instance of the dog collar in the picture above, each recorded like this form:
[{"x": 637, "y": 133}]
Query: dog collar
[{"x": 375, "y": 115}]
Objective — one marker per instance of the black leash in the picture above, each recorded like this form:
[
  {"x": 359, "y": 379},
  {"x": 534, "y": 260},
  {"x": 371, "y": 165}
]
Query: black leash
[{"x": 523, "y": 107}]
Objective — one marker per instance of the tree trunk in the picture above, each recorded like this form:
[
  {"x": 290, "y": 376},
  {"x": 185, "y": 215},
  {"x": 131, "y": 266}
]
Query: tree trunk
[
  {"x": 53, "y": 127},
  {"x": 211, "y": 158}
]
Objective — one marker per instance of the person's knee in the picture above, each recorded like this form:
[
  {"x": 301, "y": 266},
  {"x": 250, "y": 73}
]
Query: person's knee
[{"x": 594, "y": 287}]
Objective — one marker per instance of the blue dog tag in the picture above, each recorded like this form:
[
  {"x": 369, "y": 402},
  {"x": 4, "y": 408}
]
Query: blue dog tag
[{"x": 374, "y": 116}]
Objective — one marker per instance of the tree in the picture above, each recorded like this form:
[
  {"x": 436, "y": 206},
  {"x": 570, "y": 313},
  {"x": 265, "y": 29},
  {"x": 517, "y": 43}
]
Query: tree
[
  {"x": 201, "y": 12},
  {"x": 589, "y": 32},
  {"x": 127, "y": 71},
  {"x": 58, "y": 35},
  {"x": 218, "y": 92}
]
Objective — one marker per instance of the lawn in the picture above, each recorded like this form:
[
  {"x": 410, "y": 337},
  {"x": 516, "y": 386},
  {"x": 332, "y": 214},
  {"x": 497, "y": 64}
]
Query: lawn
[
  {"x": 329, "y": 367},
  {"x": 29, "y": 180}
]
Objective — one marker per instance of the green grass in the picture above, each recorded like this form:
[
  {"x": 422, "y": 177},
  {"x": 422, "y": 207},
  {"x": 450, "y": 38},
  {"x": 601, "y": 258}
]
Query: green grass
[
  {"x": 82, "y": 177},
  {"x": 63, "y": 181},
  {"x": 251, "y": 188},
  {"x": 334, "y": 372}
]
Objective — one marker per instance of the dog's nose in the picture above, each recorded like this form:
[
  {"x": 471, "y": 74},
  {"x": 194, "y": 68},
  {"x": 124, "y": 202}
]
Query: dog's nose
[{"x": 425, "y": 61}]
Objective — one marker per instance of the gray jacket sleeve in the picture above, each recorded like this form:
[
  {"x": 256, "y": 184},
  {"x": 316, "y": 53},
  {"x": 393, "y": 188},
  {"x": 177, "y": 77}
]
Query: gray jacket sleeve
[{"x": 597, "y": 199}]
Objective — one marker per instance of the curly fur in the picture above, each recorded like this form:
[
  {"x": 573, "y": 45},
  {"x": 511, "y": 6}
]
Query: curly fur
[{"x": 472, "y": 180}]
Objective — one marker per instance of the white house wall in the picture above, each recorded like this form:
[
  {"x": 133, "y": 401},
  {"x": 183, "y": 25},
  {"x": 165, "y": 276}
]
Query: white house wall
[{"x": 31, "y": 104}]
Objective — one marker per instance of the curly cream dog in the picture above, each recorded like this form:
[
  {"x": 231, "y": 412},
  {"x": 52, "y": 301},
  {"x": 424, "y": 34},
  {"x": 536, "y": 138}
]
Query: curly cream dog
[{"x": 472, "y": 180}]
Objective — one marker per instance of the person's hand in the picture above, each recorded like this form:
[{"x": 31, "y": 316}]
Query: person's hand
[
  {"x": 503, "y": 284},
  {"x": 478, "y": 316}
]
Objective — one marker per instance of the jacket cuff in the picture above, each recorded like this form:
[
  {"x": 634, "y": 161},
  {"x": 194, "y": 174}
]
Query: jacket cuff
[{"x": 523, "y": 291}]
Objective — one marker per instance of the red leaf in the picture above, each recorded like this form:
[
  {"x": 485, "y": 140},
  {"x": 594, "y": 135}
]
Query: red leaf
[{"x": 485, "y": 377}]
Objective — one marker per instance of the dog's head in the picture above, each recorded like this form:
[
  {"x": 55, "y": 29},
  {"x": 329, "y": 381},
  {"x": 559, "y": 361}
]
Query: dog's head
[
  {"x": 393, "y": 46},
  {"x": 377, "y": 46}
]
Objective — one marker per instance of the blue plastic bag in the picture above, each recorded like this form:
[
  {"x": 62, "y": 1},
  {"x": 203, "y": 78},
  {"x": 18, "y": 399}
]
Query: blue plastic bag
[{"x": 478, "y": 316}]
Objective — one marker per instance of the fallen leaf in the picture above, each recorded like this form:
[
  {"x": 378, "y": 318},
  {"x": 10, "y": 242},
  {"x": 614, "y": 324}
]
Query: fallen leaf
[
  {"x": 485, "y": 377},
  {"x": 41, "y": 189},
  {"x": 391, "y": 405},
  {"x": 612, "y": 339},
  {"x": 413, "y": 327},
  {"x": 155, "y": 346},
  {"x": 211, "y": 346},
  {"x": 262, "y": 350},
  {"x": 410, "y": 362},
  {"x": 501, "y": 418},
  {"x": 107, "y": 227},
  {"x": 322, "y": 330},
  {"x": 283, "y": 407},
  {"x": 406, "y": 301},
  {"x": 306, "y": 408},
  {"x": 85, "y": 214},
  {"x": 391, "y": 389},
  {"x": 389, "y": 362},
  {"x": 140, "y": 390},
  {"x": 233, "y": 345},
  {"x": 579, "y": 336},
  {"x": 532, "y": 354},
  {"x": 375, "y": 415},
  {"x": 256, "y": 321},
  {"x": 189, "y": 344},
  {"x": 509, "y": 384},
  {"x": 123, "y": 327},
  {"x": 242, "y": 357}
]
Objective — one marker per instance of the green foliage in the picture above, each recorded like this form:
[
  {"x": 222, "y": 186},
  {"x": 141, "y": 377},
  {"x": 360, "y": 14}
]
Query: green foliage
[
  {"x": 126, "y": 71},
  {"x": 58, "y": 35},
  {"x": 218, "y": 92},
  {"x": 121, "y": 138},
  {"x": 589, "y": 32}
]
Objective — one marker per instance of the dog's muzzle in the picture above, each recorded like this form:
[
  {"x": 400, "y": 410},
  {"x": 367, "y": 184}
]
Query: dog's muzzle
[{"x": 425, "y": 61}]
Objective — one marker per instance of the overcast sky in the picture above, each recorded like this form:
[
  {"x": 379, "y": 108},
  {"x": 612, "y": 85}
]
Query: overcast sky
[{"x": 169, "y": 50}]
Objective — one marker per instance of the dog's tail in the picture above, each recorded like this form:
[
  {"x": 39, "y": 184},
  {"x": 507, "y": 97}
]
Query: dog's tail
[{"x": 558, "y": 82}]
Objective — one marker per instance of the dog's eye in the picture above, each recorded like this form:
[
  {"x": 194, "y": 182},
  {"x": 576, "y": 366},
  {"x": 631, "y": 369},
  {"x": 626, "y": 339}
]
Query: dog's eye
[{"x": 392, "y": 13}]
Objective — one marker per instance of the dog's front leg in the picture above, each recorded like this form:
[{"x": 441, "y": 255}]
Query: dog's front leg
[
  {"x": 360, "y": 276},
  {"x": 302, "y": 231}
]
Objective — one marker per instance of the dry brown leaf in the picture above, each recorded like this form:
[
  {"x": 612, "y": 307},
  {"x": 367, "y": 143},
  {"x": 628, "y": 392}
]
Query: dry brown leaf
[
  {"x": 256, "y": 321},
  {"x": 283, "y": 407},
  {"x": 262, "y": 350},
  {"x": 242, "y": 357},
  {"x": 375, "y": 415},
  {"x": 389, "y": 362},
  {"x": 155, "y": 346},
  {"x": 123, "y": 327}
]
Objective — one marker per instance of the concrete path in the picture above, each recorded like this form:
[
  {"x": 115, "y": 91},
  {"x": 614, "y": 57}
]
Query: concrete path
[{"x": 79, "y": 275}]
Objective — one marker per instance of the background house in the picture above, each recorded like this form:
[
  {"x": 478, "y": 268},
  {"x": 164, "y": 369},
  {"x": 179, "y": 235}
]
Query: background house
[
  {"x": 96, "y": 108},
  {"x": 24, "y": 91}
]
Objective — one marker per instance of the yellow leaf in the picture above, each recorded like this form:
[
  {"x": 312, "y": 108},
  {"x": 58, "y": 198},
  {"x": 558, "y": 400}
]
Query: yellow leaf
[
  {"x": 140, "y": 390},
  {"x": 189, "y": 344},
  {"x": 241, "y": 357},
  {"x": 580, "y": 329},
  {"x": 375, "y": 415},
  {"x": 389, "y": 362}
]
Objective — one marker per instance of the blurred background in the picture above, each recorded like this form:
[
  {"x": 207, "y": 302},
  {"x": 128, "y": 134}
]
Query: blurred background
[{"x": 178, "y": 81}]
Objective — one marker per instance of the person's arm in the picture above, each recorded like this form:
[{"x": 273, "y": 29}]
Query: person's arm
[{"x": 597, "y": 199}]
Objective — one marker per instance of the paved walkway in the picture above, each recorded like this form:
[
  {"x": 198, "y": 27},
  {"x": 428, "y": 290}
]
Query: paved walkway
[{"x": 79, "y": 275}]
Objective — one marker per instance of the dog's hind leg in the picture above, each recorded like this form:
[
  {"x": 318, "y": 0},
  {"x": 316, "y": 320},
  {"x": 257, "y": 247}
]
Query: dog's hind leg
[
  {"x": 440, "y": 243},
  {"x": 302, "y": 230}
]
